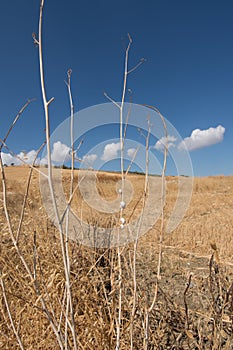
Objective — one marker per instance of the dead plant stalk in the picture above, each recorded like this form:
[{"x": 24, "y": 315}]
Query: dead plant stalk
[
  {"x": 69, "y": 301},
  {"x": 16, "y": 244},
  {"x": 9, "y": 314},
  {"x": 46, "y": 104}
]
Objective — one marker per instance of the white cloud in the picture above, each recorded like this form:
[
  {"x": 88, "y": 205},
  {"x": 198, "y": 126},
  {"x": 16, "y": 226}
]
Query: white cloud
[
  {"x": 60, "y": 152},
  {"x": 131, "y": 152},
  {"x": 89, "y": 159},
  {"x": 44, "y": 161},
  {"x": 203, "y": 138},
  {"x": 165, "y": 141},
  {"x": 27, "y": 158},
  {"x": 8, "y": 159},
  {"x": 111, "y": 151}
]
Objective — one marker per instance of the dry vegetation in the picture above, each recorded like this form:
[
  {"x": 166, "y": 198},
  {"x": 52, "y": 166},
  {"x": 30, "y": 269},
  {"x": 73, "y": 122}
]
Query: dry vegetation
[
  {"x": 194, "y": 304},
  {"x": 163, "y": 291}
]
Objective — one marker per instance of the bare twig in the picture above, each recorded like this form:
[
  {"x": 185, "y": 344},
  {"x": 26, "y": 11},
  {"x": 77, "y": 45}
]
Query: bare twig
[
  {"x": 19, "y": 253},
  {"x": 131, "y": 162},
  {"x": 142, "y": 60},
  {"x": 150, "y": 308},
  {"x": 14, "y": 122},
  {"x": 23, "y": 160},
  {"x": 185, "y": 300},
  {"x": 112, "y": 100},
  {"x": 69, "y": 301},
  {"x": 163, "y": 190},
  {"x": 9, "y": 313},
  {"x": 118, "y": 319},
  {"x": 46, "y": 104},
  {"x": 26, "y": 193}
]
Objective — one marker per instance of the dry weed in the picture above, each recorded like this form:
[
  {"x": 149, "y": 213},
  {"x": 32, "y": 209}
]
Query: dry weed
[{"x": 194, "y": 316}]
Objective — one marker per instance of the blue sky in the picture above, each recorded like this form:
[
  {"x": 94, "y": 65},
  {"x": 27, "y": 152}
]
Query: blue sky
[{"x": 188, "y": 73}]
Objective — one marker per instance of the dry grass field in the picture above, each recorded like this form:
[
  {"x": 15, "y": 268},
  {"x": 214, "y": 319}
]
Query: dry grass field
[{"x": 192, "y": 302}]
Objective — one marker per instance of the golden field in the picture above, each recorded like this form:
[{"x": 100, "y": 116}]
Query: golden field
[
  {"x": 197, "y": 315},
  {"x": 208, "y": 217}
]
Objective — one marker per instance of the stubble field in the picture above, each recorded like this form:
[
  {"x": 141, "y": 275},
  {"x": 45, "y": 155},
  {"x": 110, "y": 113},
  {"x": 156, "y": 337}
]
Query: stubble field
[{"x": 192, "y": 300}]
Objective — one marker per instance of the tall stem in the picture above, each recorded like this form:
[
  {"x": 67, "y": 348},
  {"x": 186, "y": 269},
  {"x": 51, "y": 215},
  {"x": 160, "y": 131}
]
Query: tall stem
[
  {"x": 121, "y": 118},
  {"x": 46, "y": 104}
]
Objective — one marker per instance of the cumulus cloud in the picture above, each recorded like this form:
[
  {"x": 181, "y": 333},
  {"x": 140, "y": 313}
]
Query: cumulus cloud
[
  {"x": 111, "y": 151},
  {"x": 165, "y": 141},
  {"x": 89, "y": 159},
  {"x": 8, "y": 159},
  {"x": 203, "y": 138},
  {"x": 27, "y": 157},
  {"x": 131, "y": 152},
  {"x": 60, "y": 152}
]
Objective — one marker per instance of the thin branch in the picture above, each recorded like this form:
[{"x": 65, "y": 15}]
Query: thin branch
[
  {"x": 16, "y": 246},
  {"x": 26, "y": 193},
  {"x": 127, "y": 118},
  {"x": 185, "y": 301},
  {"x": 111, "y": 100},
  {"x": 50, "y": 179},
  {"x": 14, "y": 122},
  {"x": 118, "y": 319},
  {"x": 142, "y": 60},
  {"x": 132, "y": 160},
  {"x": 69, "y": 304},
  {"x": 22, "y": 160},
  {"x": 150, "y": 308},
  {"x": 163, "y": 189},
  {"x": 9, "y": 314}
]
